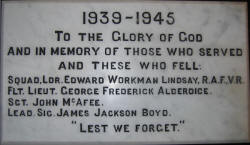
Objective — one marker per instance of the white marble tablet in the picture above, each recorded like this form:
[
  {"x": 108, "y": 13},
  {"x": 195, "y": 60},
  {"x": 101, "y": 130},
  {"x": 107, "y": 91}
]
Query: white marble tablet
[{"x": 124, "y": 72}]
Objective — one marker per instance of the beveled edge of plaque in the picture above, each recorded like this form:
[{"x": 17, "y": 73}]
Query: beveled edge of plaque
[
  {"x": 198, "y": 142},
  {"x": 1, "y": 71},
  {"x": 248, "y": 65}
]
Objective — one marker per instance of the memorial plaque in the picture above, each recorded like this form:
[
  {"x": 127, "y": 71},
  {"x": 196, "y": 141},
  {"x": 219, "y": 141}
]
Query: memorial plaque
[{"x": 124, "y": 72}]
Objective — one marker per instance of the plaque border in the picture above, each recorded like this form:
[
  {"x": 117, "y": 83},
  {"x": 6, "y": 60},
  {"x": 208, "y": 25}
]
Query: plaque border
[{"x": 243, "y": 2}]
